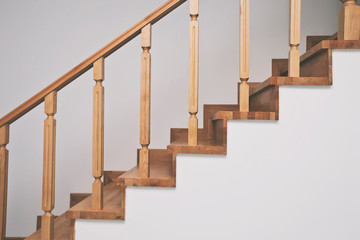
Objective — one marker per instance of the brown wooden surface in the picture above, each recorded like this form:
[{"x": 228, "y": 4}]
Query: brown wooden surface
[
  {"x": 62, "y": 229},
  {"x": 317, "y": 66},
  {"x": 111, "y": 210},
  {"x": 111, "y": 176},
  {"x": 311, "y": 41},
  {"x": 181, "y": 134},
  {"x": 298, "y": 81},
  {"x": 279, "y": 67},
  {"x": 220, "y": 133},
  {"x": 77, "y": 71},
  {"x": 266, "y": 100},
  {"x": 14, "y": 238},
  {"x": 161, "y": 171},
  {"x": 205, "y": 146},
  {"x": 245, "y": 115},
  {"x": 210, "y": 110},
  {"x": 313, "y": 65},
  {"x": 76, "y": 198}
]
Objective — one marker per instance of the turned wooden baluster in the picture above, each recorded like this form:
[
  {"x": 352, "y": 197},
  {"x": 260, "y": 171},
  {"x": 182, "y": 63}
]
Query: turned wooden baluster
[
  {"x": 294, "y": 38},
  {"x": 98, "y": 135},
  {"x": 349, "y": 21},
  {"x": 244, "y": 56},
  {"x": 4, "y": 160},
  {"x": 144, "y": 162},
  {"x": 193, "y": 73},
  {"x": 48, "y": 195}
]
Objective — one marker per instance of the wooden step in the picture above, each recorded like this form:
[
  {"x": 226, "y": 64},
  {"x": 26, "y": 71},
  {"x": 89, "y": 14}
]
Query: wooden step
[
  {"x": 205, "y": 146},
  {"x": 14, "y": 238},
  {"x": 228, "y": 115},
  {"x": 317, "y": 61},
  {"x": 162, "y": 171},
  {"x": 311, "y": 41},
  {"x": 212, "y": 139},
  {"x": 264, "y": 96},
  {"x": 210, "y": 110},
  {"x": 295, "y": 81},
  {"x": 63, "y": 229},
  {"x": 181, "y": 134},
  {"x": 112, "y": 206},
  {"x": 111, "y": 176}
]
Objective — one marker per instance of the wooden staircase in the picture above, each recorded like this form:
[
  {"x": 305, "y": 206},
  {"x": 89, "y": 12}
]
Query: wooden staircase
[{"x": 157, "y": 167}]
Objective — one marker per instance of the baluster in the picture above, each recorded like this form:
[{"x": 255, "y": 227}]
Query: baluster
[
  {"x": 244, "y": 56},
  {"x": 144, "y": 163},
  {"x": 193, "y": 73},
  {"x": 4, "y": 160},
  {"x": 349, "y": 21},
  {"x": 98, "y": 135},
  {"x": 294, "y": 38},
  {"x": 48, "y": 197}
]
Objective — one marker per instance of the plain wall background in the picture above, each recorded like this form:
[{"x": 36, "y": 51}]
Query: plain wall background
[
  {"x": 41, "y": 40},
  {"x": 297, "y": 178}
]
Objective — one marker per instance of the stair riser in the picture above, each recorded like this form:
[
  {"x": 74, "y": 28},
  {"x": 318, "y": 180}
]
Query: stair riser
[
  {"x": 220, "y": 131},
  {"x": 319, "y": 65},
  {"x": 181, "y": 134},
  {"x": 266, "y": 100},
  {"x": 209, "y": 111},
  {"x": 311, "y": 41},
  {"x": 157, "y": 155}
]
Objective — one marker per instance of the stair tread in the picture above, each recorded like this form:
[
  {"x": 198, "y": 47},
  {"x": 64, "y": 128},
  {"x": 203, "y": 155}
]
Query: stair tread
[
  {"x": 295, "y": 81},
  {"x": 112, "y": 206},
  {"x": 237, "y": 115},
  {"x": 62, "y": 229},
  {"x": 161, "y": 175},
  {"x": 205, "y": 146}
]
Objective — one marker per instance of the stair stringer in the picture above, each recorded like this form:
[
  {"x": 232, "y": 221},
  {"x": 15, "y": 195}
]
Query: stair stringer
[{"x": 292, "y": 179}]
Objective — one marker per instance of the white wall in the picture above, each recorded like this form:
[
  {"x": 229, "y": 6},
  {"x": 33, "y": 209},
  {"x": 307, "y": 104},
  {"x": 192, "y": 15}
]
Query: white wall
[
  {"x": 297, "y": 178},
  {"x": 41, "y": 40}
]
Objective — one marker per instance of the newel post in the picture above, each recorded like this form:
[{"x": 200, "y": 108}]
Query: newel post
[
  {"x": 4, "y": 161},
  {"x": 244, "y": 56},
  {"x": 48, "y": 194},
  {"x": 349, "y": 21}
]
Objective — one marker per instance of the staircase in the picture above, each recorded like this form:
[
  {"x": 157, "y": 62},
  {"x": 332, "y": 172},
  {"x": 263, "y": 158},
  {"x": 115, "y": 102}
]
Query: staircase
[{"x": 157, "y": 167}]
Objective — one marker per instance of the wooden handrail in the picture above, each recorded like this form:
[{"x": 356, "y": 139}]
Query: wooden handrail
[{"x": 77, "y": 71}]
